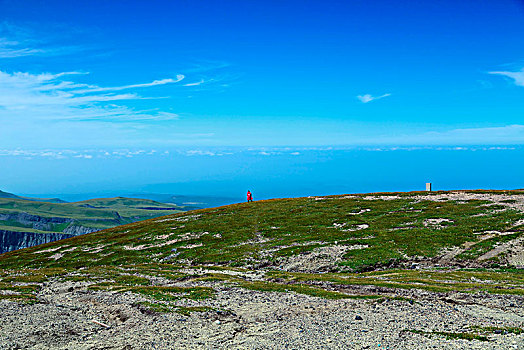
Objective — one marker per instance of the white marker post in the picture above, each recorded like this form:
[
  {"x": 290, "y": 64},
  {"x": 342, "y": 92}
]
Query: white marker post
[{"x": 428, "y": 186}]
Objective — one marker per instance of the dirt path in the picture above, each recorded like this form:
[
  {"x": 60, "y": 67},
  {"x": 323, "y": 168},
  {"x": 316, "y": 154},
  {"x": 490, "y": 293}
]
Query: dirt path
[
  {"x": 450, "y": 255},
  {"x": 503, "y": 248}
]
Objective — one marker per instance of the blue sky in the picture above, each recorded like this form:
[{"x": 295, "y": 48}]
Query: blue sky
[{"x": 172, "y": 84}]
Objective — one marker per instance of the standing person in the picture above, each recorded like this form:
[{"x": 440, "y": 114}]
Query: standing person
[{"x": 249, "y": 196}]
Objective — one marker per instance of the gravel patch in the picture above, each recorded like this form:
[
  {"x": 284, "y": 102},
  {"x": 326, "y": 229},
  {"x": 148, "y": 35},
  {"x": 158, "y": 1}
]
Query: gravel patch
[{"x": 71, "y": 317}]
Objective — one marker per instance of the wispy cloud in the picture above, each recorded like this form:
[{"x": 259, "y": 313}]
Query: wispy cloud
[
  {"x": 7, "y": 51},
  {"x": 368, "y": 98},
  {"x": 210, "y": 75},
  {"x": 202, "y": 66},
  {"x": 196, "y": 83},
  {"x": 15, "y": 51},
  {"x": 179, "y": 77},
  {"x": 58, "y": 96},
  {"x": 11, "y": 48},
  {"x": 518, "y": 77},
  {"x": 17, "y": 41},
  {"x": 51, "y": 96}
]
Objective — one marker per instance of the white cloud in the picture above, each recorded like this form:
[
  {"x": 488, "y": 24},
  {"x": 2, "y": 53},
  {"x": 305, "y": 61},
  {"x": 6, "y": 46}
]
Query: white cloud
[
  {"x": 29, "y": 97},
  {"x": 68, "y": 153},
  {"x": 59, "y": 154},
  {"x": 518, "y": 77},
  {"x": 18, "y": 41},
  {"x": 51, "y": 97},
  {"x": 68, "y": 109},
  {"x": 368, "y": 98},
  {"x": 85, "y": 156},
  {"x": 14, "y": 48},
  {"x": 195, "y": 84},
  {"x": 6, "y": 52},
  {"x": 55, "y": 154},
  {"x": 179, "y": 77},
  {"x": 215, "y": 152},
  {"x": 201, "y": 153}
]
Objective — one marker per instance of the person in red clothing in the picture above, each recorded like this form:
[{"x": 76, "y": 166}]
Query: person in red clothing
[{"x": 249, "y": 196}]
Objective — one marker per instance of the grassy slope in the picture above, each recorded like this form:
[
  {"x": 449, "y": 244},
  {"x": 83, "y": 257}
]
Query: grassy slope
[
  {"x": 7, "y": 195},
  {"x": 243, "y": 236},
  {"x": 103, "y": 216}
]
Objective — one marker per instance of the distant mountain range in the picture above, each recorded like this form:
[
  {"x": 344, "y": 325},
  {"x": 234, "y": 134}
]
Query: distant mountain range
[
  {"x": 188, "y": 202},
  {"x": 49, "y": 200},
  {"x": 26, "y": 221}
]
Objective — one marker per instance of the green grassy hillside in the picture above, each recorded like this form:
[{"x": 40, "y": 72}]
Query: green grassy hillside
[
  {"x": 94, "y": 213},
  {"x": 463, "y": 241},
  {"x": 395, "y": 230},
  {"x": 7, "y": 195}
]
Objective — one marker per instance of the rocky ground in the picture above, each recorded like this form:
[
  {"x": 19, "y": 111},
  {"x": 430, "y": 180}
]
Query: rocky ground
[{"x": 69, "y": 316}]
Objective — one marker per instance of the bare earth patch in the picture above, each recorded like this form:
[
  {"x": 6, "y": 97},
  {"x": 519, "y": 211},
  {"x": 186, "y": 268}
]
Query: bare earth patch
[
  {"x": 514, "y": 248},
  {"x": 75, "y": 318},
  {"x": 319, "y": 259}
]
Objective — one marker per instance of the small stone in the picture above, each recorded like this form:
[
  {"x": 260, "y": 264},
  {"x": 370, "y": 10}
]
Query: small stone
[
  {"x": 358, "y": 318},
  {"x": 217, "y": 322}
]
